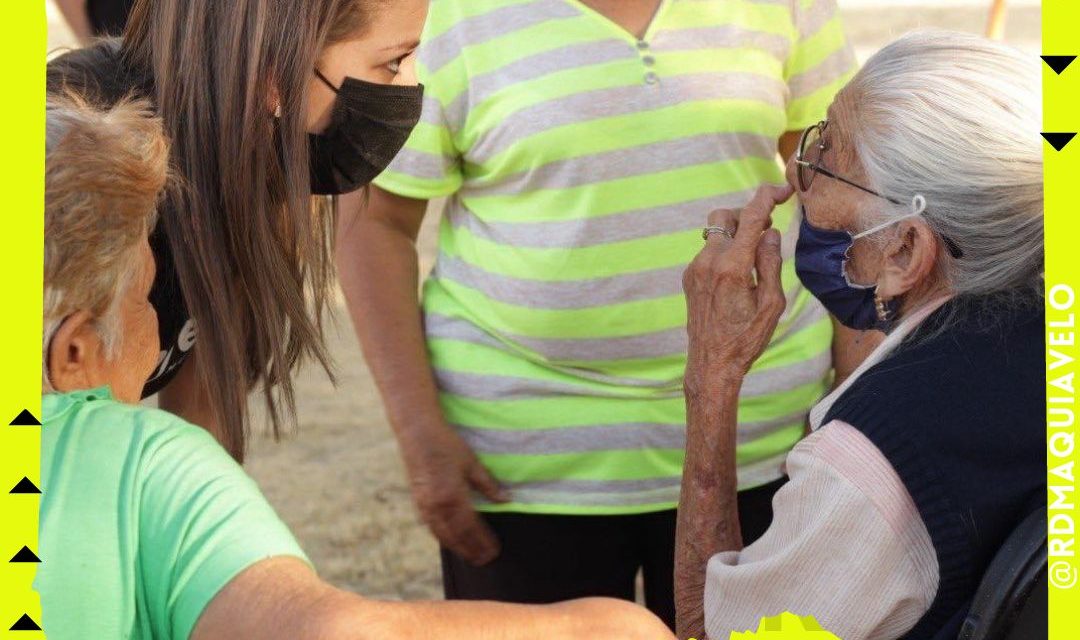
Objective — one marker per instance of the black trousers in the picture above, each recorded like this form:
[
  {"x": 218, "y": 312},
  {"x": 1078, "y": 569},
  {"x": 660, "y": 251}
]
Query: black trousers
[{"x": 548, "y": 558}]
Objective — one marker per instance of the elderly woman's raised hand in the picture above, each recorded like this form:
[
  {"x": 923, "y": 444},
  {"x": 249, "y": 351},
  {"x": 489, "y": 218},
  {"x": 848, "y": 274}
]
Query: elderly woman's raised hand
[
  {"x": 734, "y": 300},
  {"x": 733, "y": 293}
]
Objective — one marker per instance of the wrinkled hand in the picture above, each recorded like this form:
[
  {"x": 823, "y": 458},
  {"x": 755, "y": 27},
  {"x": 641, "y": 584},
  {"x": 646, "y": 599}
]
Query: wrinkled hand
[
  {"x": 731, "y": 315},
  {"x": 443, "y": 471}
]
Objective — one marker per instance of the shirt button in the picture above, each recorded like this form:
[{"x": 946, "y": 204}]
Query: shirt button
[
  {"x": 649, "y": 60},
  {"x": 651, "y": 78},
  {"x": 642, "y": 45}
]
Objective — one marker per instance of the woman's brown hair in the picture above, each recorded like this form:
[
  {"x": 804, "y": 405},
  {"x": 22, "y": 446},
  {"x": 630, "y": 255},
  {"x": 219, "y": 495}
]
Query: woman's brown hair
[{"x": 252, "y": 248}]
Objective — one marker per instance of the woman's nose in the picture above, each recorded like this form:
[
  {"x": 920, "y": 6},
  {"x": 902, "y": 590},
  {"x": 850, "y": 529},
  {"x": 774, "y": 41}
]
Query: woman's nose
[{"x": 406, "y": 75}]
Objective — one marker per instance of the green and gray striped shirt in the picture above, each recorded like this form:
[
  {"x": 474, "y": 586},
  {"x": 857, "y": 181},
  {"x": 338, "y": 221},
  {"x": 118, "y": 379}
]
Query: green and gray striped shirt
[{"x": 581, "y": 163}]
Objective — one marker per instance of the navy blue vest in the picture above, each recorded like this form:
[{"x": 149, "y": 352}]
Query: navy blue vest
[{"x": 960, "y": 413}]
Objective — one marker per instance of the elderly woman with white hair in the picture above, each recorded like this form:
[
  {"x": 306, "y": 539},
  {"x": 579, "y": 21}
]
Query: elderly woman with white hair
[{"x": 922, "y": 217}]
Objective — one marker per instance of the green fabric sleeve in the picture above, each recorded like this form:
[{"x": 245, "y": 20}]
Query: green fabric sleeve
[{"x": 202, "y": 522}]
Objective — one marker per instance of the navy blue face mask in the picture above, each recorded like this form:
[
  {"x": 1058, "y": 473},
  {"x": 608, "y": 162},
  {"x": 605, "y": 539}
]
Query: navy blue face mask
[{"x": 821, "y": 257}]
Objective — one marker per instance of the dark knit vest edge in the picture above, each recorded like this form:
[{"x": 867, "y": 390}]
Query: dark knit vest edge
[
  {"x": 941, "y": 517},
  {"x": 871, "y": 405}
]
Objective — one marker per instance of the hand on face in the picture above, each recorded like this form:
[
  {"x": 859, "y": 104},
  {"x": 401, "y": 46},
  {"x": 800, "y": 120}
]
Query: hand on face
[{"x": 731, "y": 315}]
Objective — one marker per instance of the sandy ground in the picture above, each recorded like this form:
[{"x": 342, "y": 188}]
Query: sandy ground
[{"x": 338, "y": 481}]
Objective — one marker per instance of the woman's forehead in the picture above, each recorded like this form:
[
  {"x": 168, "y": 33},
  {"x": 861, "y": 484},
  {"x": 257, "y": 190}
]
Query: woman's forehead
[{"x": 836, "y": 134}]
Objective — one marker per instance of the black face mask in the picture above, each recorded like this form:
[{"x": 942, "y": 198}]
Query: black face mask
[{"x": 369, "y": 125}]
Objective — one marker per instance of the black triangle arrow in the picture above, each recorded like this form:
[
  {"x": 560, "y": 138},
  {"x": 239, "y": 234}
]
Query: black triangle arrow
[
  {"x": 25, "y": 623},
  {"x": 1058, "y": 63},
  {"x": 25, "y": 555},
  {"x": 1058, "y": 140},
  {"x": 25, "y": 419},
  {"x": 25, "y": 486}
]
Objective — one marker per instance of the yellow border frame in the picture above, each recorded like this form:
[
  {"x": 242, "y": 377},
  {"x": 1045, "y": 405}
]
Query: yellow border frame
[
  {"x": 22, "y": 48},
  {"x": 22, "y": 172},
  {"x": 1061, "y": 99}
]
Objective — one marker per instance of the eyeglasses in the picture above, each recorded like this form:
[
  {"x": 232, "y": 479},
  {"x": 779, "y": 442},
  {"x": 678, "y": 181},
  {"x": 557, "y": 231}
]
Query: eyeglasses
[{"x": 812, "y": 148}]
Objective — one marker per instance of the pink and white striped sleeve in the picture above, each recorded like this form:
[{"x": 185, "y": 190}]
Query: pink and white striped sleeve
[{"x": 846, "y": 546}]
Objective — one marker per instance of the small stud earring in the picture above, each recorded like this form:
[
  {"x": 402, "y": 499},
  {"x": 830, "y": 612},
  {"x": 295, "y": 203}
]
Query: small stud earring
[{"x": 883, "y": 312}]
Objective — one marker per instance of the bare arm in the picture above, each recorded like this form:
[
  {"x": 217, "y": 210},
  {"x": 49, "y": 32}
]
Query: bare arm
[
  {"x": 78, "y": 19},
  {"x": 283, "y": 599},
  {"x": 378, "y": 268},
  {"x": 708, "y": 520}
]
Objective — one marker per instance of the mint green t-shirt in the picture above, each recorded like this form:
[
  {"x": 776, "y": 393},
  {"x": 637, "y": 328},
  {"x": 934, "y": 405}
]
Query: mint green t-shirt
[{"x": 144, "y": 518}]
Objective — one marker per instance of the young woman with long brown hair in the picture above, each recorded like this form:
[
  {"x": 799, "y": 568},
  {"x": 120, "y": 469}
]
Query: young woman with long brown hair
[
  {"x": 150, "y": 531},
  {"x": 266, "y": 104}
]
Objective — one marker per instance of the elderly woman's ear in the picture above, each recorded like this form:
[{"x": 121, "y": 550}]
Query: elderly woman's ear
[
  {"x": 908, "y": 261},
  {"x": 75, "y": 354},
  {"x": 119, "y": 349}
]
